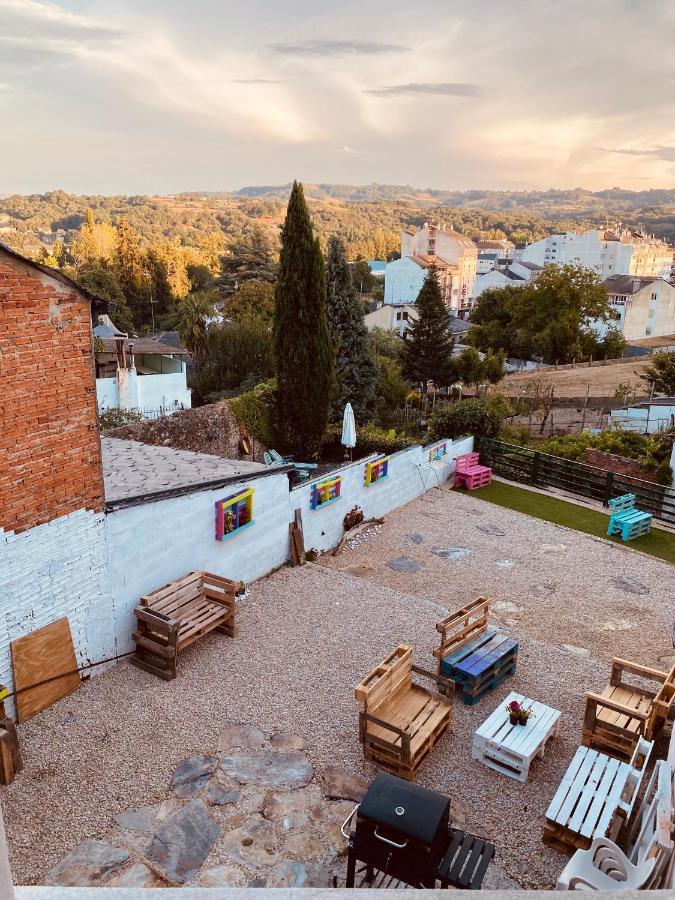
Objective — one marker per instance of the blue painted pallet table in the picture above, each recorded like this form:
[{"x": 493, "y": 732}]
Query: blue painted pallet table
[{"x": 477, "y": 658}]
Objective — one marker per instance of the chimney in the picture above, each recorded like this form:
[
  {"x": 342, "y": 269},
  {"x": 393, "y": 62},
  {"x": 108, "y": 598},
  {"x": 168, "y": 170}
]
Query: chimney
[{"x": 120, "y": 352}]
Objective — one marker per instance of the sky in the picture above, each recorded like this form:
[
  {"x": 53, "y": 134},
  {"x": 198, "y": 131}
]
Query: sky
[{"x": 161, "y": 96}]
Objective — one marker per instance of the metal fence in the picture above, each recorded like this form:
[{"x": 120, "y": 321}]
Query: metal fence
[{"x": 543, "y": 470}]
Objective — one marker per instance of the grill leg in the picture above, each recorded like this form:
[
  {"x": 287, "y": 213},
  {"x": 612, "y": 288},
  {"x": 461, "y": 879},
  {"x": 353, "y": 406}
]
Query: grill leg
[{"x": 351, "y": 868}]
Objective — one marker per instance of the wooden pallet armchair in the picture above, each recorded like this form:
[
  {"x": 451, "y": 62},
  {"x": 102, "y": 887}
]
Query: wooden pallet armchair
[
  {"x": 473, "y": 655},
  {"x": 469, "y": 472},
  {"x": 401, "y": 722},
  {"x": 615, "y": 719},
  {"x": 176, "y": 615}
]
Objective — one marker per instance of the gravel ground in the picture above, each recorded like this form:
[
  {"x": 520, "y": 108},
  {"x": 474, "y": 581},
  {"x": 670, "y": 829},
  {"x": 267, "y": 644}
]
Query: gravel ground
[{"x": 309, "y": 635}]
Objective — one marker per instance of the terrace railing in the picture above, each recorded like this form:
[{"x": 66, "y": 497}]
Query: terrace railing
[{"x": 589, "y": 482}]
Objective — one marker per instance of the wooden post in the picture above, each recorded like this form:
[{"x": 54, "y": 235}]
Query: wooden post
[
  {"x": 6, "y": 888},
  {"x": 535, "y": 467},
  {"x": 609, "y": 481}
]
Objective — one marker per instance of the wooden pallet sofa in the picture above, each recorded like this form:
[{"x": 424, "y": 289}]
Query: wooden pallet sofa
[
  {"x": 615, "y": 719},
  {"x": 401, "y": 722},
  {"x": 473, "y": 655},
  {"x": 176, "y": 615},
  {"x": 470, "y": 474},
  {"x": 626, "y": 520}
]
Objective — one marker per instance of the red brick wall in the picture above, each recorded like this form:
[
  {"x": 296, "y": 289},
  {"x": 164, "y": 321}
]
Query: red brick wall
[
  {"x": 50, "y": 458},
  {"x": 620, "y": 465}
]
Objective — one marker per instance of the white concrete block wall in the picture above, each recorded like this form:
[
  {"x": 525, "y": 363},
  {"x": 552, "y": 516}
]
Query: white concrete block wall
[
  {"x": 409, "y": 477},
  {"x": 154, "y": 543},
  {"x": 57, "y": 569}
]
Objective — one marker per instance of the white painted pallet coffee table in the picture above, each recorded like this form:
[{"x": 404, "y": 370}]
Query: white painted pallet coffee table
[{"x": 510, "y": 749}]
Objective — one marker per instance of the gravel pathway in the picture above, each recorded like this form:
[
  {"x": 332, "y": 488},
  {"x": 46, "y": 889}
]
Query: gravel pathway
[{"x": 309, "y": 635}]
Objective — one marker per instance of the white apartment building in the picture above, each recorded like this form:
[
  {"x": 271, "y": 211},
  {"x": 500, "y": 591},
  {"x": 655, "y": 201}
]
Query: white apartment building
[
  {"x": 455, "y": 257},
  {"x": 641, "y": 307},
  {"x": 610, "y": 253},
  {"x": 516, "y": 274}
]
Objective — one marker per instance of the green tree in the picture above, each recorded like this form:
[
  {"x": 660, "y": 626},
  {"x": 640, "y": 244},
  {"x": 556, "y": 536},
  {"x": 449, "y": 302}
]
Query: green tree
[
  {"x": 427, "y": 354},
  {"x": 252, "y": 302},
  {"x": 94, "y": 244},
  {"x": 236, "y": 356},
  {"x": 354, "y": 367},
  {"x": 469, "y": 366},
  {"x": 103, "y": 282},
  {"x": 362, "y": 278},
  {"x": 661, "y": 373},
  {"x": 199, "y": 276},
  {"x": 195, "y": 311},
  {"x": 252, "y": 254},
  {"x": 128, "y": 269},
  {"x": 302, "y": 346},
  {"x": 479, "y": 416}
]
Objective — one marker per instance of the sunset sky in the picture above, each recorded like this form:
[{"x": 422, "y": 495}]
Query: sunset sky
[{"x": 158, "y": 96}]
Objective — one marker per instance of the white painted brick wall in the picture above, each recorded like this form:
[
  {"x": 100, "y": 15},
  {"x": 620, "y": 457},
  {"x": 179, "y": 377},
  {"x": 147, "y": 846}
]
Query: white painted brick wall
[
  {"x": 152, "y": 544},
  {"x": 57, "y": 569},
  {"x": 409, "y": 476}
]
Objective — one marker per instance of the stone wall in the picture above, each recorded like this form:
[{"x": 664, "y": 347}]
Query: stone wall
[{"x": 620, "y": 465}]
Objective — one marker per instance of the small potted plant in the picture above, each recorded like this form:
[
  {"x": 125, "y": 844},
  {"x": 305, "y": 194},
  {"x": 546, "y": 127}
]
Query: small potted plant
[
  {"x": 518, "y": 715},
  {"x": 513, "y": 710}
]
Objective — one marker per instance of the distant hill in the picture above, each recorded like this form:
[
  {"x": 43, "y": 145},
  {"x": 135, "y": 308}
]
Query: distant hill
[{"x": 653, "y": 209}]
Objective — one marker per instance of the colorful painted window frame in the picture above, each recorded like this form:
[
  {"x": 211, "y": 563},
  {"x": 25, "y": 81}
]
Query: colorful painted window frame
[
  {"x": 325, "y": 492},
  {"x": 438, "y": 451},
  {"x": 233, "y": 514},
  {"x": 377, "y": 470}
]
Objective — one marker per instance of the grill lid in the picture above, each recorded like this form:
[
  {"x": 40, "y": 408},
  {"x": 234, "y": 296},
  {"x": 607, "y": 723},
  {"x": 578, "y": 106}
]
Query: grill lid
[{"x": 413, "y": 811}]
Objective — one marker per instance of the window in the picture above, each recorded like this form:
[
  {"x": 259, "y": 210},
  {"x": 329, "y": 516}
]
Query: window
[
  {"x": 398, "y": 316},
  {"x": 438, "y": 451},
  {"x": 325, "y": 492},
  {"x": 377, "y": 470},
  {"x": 405, "y": 316},
  {"x": 648, "y": 330},
  {"x": 652, "y": 314},
  {"x": 234, "y": 514},
  {"x": 653, "y": 295}
]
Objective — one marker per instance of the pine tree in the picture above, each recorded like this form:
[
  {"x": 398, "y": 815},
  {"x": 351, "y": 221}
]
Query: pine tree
[
  {"x": 354, "y": 367},
  {"x": 302, "y": 345},
  {"x": 427, "y": 354}
]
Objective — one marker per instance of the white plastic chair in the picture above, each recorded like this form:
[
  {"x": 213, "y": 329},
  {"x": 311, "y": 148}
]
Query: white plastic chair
[{"x": 604, "y": 867}]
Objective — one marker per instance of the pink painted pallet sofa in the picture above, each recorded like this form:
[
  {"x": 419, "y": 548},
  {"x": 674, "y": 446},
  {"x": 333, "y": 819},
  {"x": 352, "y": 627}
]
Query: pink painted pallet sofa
[{"x": 470, "y": 474}]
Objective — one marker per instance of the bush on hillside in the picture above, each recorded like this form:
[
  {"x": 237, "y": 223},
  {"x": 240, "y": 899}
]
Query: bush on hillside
[
  {"x": 116, "y": 417},
  {"x": 369, "y": 439},
  {"x": 477, "y": 416},
  {"x": 256, "y": 411}
]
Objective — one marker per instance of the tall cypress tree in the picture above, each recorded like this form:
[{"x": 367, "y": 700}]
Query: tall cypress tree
[
  {"x": 428, "y": 344},
  {"x": 302, "y": 345},
  {"x": 354, "y": 367}
]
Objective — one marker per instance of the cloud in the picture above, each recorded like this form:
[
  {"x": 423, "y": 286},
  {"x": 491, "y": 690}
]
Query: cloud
[
  {"x": 666, "y": 153},
  {"x": 335, "y": 48},
  {"x": 50, "y": 14},
  {"x": 438, "y": 89},
  {"x": 255, "y": 81}
]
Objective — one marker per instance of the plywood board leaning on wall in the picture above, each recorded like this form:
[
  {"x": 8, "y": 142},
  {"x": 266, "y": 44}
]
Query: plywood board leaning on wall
[{"x": 39, "y": 659}]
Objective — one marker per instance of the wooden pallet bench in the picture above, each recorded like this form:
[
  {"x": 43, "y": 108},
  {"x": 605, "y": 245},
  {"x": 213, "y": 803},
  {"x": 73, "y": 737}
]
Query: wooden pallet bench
[
  {"x": 626, "y": 520},
  {"x": 176, "y": 615},
  {"x": 595, "y": 797},
  {"x": 616, "y": 719},
  {"x": 470, "y": 474},
  {"x": 401, "y": 722},
  {"x": 477, "y": 658}
]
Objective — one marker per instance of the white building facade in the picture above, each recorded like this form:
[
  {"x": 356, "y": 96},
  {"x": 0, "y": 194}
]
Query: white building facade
[
  {"x": 454, "y": 256},
  {"x": 609, "y": 253},
  {"x": 641, "y": 307}
]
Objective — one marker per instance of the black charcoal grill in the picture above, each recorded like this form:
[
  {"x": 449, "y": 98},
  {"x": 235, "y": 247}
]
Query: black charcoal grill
[
  {"x": 401, "y": 833},
  {"x": 403, "y": 836}
]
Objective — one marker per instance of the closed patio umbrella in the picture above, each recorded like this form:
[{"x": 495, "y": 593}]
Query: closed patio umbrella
[{"x": 348, "y": 429}]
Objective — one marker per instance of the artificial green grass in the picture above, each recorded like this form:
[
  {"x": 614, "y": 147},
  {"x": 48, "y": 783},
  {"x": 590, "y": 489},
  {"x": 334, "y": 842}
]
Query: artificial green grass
[{"x": 657, "y": 543}]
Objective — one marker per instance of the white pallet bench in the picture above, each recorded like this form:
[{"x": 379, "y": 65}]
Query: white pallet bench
[
  {"x": 595, "y": 797},
  {"x": 510, "y": 749}
]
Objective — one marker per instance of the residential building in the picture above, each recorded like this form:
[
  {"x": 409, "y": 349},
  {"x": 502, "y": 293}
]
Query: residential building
[
  {"x": 455, "y": 257},
  {"x": 516, "y": 274},
  {"x": 608, "y": 252},
  {"x": 494, "y": 255},
  {"x": 392, "y": 317},
  {"x": 647, "y": 417},
  {"x": 641, "y": 307},
  {"x": 139, "y": 373}
]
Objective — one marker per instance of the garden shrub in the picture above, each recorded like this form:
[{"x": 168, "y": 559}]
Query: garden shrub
[
  {"x": 116, "y": 417},
  {"x": 256, "y": 411},
  {"x": 369, "y": 439},
  {"x": 477, "y": 416}
]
